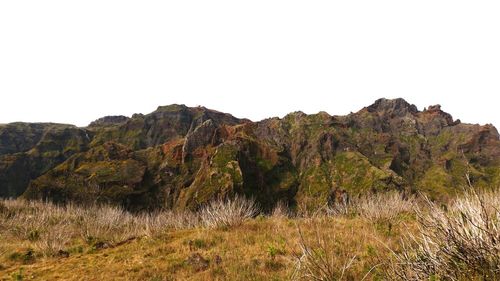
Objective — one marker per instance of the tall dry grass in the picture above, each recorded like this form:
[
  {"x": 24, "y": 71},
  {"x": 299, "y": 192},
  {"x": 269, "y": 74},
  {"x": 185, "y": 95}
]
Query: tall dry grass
[
  {"x": 229, "y": 212},
  {"x": 281, "y": 211},
  {"x": 50, "y": 228},
  {"x": 384, "y": 206},
  {"x": 374, "y": 207},
  {"x": 319, "y": 259},
  {"x": 108, "y": 224},
  {"x": 461, "y": 242}
]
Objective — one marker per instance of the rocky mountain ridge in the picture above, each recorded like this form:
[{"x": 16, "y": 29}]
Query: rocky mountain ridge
[{"x": 180, "y": 157}]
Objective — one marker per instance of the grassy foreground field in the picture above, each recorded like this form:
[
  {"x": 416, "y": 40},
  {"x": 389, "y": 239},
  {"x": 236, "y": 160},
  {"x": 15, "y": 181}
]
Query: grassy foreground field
[
  {"x": 381, "y": 238},
  {"x": 257, "y": 250}
]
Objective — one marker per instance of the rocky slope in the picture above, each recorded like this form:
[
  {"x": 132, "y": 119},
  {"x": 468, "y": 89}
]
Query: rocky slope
[{"x": 179, "y": 157}]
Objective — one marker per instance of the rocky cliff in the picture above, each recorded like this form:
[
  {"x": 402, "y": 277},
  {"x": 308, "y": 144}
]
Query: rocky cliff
[{"x": 180, "y": 157}]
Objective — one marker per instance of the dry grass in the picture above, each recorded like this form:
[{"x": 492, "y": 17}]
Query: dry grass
[
  {"x": 108, "y": 224},
  {"x": 229, "y": 212},
  {"x": 385, "y": 206},
  {"x": 107, "y": 243},
  {"x": 320, "y": 258},
  {"x": 45, "y": 225},
  {"x": 259, "y": 249},
  {"x": 281, "y": 211},
  {"x": 50, "y": 228},
  {"x": 319, "y": 261},
  {"x": 156, "y": 223},
  {"x": 460, "y": 243},
  {"x": 356, "y": 241}
]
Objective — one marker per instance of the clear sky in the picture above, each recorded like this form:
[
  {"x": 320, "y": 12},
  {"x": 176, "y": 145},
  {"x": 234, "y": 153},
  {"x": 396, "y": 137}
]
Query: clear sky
[{"x": 75, "y": 61}]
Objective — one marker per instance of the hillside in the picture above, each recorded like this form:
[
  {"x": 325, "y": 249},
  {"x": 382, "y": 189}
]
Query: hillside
[{"x": 179, "y": 157}]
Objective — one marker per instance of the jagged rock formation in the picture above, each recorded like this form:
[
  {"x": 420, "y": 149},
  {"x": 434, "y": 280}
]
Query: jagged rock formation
[{"x": 180, "y": 157}]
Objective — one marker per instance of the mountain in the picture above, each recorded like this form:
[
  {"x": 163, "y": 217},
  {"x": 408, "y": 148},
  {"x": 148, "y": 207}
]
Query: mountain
[{"x": 179, "y": 157}]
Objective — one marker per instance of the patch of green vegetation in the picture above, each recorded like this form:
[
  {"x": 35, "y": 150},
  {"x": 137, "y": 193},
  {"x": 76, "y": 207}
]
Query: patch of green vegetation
[
  {"x": 76, "y": 250},
  {"x": 436, "y": 183},
  {"x": 492, "y": 177},
  {"x": 19, "y": 275},
  {"x": 414, "y": 143},
  {"x": 357, "y": 175},
  {"x": 274, "y": 250},
  {"x": 317, "y": 181},
  {"x": 112, "y": 171},
  {"x": 25, "y": 257},
  {"x": 224, "y": 154},
  {"x": 200, "y": 243},
  {"x": 282, "y": 178},
  {"x": 34, "y": 235}
]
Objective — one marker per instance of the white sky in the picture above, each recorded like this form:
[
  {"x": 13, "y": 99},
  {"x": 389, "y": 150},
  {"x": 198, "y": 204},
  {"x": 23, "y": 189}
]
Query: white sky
[{"x": 75, "y": 61}]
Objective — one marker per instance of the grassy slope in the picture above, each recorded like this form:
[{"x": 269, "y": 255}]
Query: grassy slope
[{"x": 260, "y": 249}]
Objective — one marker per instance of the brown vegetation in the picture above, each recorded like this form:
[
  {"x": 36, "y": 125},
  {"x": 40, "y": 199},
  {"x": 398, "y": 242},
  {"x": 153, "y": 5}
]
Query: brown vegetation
[
  {"x": 458, "y": 243},
  {"x": 229, "y": 240}
]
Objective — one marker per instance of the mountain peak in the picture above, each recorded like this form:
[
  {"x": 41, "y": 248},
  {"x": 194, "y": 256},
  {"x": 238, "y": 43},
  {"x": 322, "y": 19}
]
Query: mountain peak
[
  {"x": 109, "y": 121},
  {"x": 172, "y": 107},
  {"x": 397, "y": 106}
]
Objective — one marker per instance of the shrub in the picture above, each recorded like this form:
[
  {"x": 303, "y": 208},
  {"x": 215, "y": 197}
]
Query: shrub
[
  {"x": 108, "y": 224},
  {"x": 54, "y": 239},
  {"x": 229, "y": 212}
]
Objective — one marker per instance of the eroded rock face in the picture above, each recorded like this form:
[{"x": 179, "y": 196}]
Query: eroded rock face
[
  {"x": 433, "y": 120},
  {"x": 38, "y": 153},
  {"x": 179, "y": 157},
  {"x": 201, "y": 136},
  {"x": 106, "y": 173},
  {"x": 20, "y": 137}
]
